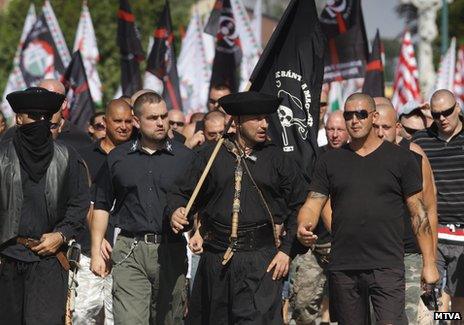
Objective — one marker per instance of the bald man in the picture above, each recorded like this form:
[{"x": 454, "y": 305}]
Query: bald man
[
  {"x": 94, "y": 292},
  {"x": 443, "y": 143},
  {"x": 388, "y": 128},
  {"x": 62, "y": 129},
  {"x": 176, "y": 120},
  {"x": 309, "y": 297},
  {"x": 368, "y": 181}
]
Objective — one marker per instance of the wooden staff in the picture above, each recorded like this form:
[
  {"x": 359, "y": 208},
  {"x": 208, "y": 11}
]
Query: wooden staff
[
  {"x": 209, "y": 164},
  {"x": 206, "y": 170}
]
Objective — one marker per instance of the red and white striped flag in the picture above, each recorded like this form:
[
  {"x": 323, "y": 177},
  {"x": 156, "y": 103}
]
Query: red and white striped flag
[
  {"x": 458, "y": 87},
  {"x": 406, "y": 85}
]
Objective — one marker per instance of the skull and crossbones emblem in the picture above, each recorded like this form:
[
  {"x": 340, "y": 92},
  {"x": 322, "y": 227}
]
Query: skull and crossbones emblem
[{"x": 287, "y": 118}]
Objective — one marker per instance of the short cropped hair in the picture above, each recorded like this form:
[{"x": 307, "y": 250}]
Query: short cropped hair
[{"x": 147, "y": 98}]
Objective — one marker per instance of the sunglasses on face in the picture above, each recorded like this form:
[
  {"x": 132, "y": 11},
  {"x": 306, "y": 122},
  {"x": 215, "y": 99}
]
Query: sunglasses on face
[
  {"x": 54, "y": 126},
  {"x": 409, "y": 130},
  {"x": 360, "y": 114},
  {"x": 181, "y": 124},
  {"x": 445, "y": 113},
  {"x": 99, "y": 127}
]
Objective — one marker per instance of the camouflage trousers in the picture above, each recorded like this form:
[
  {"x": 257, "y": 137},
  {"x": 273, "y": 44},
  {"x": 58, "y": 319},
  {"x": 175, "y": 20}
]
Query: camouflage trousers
[
  {"x": 308, "y": 283},
  {"x": 416, "y": 311}
]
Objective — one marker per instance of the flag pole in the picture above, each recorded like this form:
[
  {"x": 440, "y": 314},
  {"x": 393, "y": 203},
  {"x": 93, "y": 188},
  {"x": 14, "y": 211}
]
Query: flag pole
[{"x": 209, "y": 164}]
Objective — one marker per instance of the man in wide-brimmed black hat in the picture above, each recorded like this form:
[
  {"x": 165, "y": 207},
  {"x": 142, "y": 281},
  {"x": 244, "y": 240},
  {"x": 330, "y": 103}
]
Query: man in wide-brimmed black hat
[
  {"x": 43, "y": 202},
  {"x": 252, "y": 191}
]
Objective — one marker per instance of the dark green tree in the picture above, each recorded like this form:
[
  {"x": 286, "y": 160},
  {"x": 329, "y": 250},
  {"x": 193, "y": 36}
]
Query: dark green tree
[{"x": 104, "y": 18}]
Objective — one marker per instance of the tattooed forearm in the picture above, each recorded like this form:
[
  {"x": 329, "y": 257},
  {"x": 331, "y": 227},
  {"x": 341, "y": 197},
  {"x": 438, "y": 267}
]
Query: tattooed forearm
[
  {"x": 419, "y": 218},
  {"x": 317, "y": 195}
]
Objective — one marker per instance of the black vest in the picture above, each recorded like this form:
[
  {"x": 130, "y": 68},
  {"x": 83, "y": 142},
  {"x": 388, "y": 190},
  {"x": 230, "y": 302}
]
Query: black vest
[{"x": 11, "y": 190}]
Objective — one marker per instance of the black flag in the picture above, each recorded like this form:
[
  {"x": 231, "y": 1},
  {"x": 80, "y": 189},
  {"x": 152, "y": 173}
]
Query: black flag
[
  {"x": 39, "y": 56},
  {"x": 130, "y": 49},
  {"x": 292, "y": 68},
  {"x": 226, "y": 64},
  {"x": 162, "y": 60},
  {"x": 343, "y": 24},
  {"x": 80, "y": 104},
  {"x": 374, "y": 83}
]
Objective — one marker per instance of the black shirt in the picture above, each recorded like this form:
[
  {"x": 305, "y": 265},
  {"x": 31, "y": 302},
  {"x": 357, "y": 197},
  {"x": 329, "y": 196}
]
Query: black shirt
[
  {"x": 410, "y": 242},
  {"x": 447, "y": 161},
  {"x": 138, "y": 181},
  {"x": 367, "y": 198},
  {"x": 283, "y": 187},
  {"x": 34, "y": 216},
  {"x": 71, "y": 135},
  {"x": 323, "y": 235},
  {"x": 95, "y": 157}
]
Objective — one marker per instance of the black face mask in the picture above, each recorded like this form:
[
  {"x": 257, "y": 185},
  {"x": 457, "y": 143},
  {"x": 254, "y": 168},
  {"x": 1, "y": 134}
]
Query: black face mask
[{"x": 34, "y": 146}]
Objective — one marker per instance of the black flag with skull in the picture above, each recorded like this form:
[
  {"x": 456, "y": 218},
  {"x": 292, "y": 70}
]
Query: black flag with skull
[{"x": 292, "y": 68}]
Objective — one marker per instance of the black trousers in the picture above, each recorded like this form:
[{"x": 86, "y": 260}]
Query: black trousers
[
  {"x": 350, "y": 292},
  {"x": 32, "y": 293},
  {"x": 239, "y": 293}
]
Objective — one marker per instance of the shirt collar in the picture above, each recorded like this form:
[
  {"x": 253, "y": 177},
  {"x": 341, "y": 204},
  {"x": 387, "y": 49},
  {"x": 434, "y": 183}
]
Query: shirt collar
[
  {"x": 98, "y": 147},
  {"x": 137, "y": 146}
]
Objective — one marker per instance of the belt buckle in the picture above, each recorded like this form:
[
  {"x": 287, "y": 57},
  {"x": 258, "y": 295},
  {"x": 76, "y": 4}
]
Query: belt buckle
[{"x": 149, "y": 238}]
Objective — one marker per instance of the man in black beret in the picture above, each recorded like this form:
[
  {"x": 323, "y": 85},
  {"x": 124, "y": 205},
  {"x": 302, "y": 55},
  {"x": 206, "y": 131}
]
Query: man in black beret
[
  {"x": 43, "y": 203},
  {"x": 248, "y": 205}
]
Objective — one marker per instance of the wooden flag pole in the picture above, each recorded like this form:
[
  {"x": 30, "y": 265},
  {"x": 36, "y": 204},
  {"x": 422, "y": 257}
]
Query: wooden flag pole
[{"x": 206, "y": 170}]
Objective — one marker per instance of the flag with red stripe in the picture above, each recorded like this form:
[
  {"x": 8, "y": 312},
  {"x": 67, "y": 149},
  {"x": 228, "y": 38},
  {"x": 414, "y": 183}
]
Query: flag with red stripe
[
  {"x": 343, "y": 24},
  {"x": 80, "y": 104},
  {"x": 406, "y": 83},
  {"x": 162, "y": 60},
  {"x": 228, "y": 56},
  {"x": 130, "y": 49},
  {"x": 374, "y": 83}
]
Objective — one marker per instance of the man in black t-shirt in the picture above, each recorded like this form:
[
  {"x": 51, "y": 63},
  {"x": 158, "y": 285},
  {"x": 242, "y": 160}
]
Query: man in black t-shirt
[
  {"x": 387, "y": 127},
  {"x": 368, "y": 181},
  {"x": 308, "y": 276}
]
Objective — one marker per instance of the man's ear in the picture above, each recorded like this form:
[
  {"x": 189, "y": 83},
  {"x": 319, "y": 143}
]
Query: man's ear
[
  {"x": 136, "y": 121},
  {"x": 19, "y": 119}
]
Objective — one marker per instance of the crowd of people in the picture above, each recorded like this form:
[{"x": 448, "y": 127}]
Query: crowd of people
[{"x": 375, "y": 236}]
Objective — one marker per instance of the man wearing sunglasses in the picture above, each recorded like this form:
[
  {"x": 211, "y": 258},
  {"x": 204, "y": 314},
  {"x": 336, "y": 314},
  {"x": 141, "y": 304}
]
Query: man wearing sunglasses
[
  {"x": 389, "y": 129},
  {"x": 443, "y": 144},
  {"x": 368, "y": 181},
  {"x": 97, "y": 126},
  {"x": 412, "y": 118}
]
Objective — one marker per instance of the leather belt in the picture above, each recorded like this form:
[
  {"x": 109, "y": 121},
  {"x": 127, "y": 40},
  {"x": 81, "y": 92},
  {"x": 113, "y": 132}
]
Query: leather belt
[
  {"x": 148, "y": 238},
  {"x": 30, "y": 243},
  {"x": 248, "y": 239}
]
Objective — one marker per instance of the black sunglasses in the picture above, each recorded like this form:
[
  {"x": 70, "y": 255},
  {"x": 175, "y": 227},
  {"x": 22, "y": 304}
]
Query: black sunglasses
[
  {"x": 445, "y": 113},
  {"x": 360, "y": 114},
  {"x": 99, "y": 126},
  {"x": 410, "y": 131},
  {"x": 54, "y": 126},
  {"x": 175, "y": 122}
]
